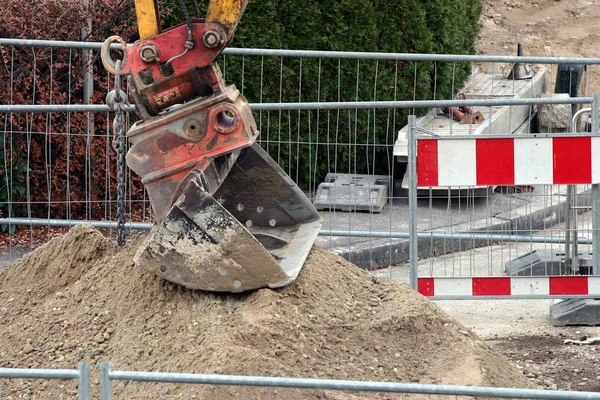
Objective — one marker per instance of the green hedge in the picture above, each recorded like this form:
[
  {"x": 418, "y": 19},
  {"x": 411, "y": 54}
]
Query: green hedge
[{"x": 403, "y": 26}]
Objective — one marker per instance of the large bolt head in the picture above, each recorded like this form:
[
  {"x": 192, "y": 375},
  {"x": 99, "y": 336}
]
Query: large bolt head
[
  {"x": 211, "y": 39},
  {"x": 148, "y": 54}
]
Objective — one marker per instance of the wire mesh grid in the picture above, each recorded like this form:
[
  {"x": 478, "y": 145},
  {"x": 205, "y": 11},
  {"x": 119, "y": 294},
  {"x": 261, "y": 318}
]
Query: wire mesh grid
[
  {"x": 57, "y": 165},
  {"x": 466, "y": 234},
  {"x": 308, "y": 144},
  {"x": 499, "y": 229},
  {"x": 63, "y": 165}
]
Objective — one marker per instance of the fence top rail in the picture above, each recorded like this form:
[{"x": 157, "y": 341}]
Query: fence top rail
[
  {"x": 343, "y": 105},
  {"x": 409, "y": 56},
  {"x": 330, "y": 54},
  {"x": 323, "y": 232},
  {"x": 26, "y": 373},
  {"x": 326, "y": 384},
  {"x": 431, "y": 135}
]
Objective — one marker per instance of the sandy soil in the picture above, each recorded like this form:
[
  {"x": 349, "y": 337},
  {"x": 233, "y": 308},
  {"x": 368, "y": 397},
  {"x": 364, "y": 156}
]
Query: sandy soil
[{"x": 79, "y": 297}]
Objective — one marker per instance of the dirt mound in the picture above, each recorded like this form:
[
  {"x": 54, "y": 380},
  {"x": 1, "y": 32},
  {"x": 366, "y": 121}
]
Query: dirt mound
[
  {"x": 58, "y": 263},
  {"x": 80, "y": 298}
]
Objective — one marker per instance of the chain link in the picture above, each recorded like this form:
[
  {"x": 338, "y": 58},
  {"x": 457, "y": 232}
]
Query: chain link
[{"x": 116, "y": 99}]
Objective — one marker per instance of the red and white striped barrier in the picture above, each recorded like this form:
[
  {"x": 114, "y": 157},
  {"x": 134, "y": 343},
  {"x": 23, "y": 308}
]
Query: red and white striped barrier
[
  {"x": 511, "y": 286},
  {"x": 526, "y": 160}
]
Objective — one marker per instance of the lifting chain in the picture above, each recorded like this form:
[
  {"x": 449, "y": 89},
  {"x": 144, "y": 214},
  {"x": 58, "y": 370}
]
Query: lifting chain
[{"x": 116, "y": 99}]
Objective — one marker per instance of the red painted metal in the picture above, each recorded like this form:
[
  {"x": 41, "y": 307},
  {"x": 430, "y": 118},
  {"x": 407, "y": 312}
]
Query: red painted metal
[
  {"x": 492, "y": 286},
  {"x": 560, "y": 285},
  {"x": 495, "y": 162},
  {"x": 167, "y": 148},
  {"x": 426, "y": 286},
  {"x": 427, "y": 162},
  {"x": 181, "y": 143},
  {"x": 572, "y": 160},
  {"x": 160, "y": 85}
]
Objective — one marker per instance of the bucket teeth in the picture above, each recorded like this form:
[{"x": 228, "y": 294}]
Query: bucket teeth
[{"x": 255, "y": 232}]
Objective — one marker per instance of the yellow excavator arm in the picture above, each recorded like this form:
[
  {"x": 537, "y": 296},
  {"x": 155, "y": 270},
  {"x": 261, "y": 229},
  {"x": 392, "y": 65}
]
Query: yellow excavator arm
[
  {"x": 148, "y": 18},
  {"x": 226, "y": 13}
]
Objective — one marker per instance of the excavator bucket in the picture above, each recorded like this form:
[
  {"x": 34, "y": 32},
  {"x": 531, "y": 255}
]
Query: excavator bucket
[{"x": 256, "y": 230}]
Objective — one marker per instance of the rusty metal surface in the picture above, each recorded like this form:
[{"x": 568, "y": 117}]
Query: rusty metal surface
[
  {"x": 166, "y": 73},
  {"x": 255, "y": 232},
  {"x": 165, "y": 149}
]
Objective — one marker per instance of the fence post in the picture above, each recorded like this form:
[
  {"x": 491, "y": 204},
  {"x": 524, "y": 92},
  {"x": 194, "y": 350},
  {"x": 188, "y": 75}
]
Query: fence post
[
  {"x": 596, "y": 194},
  {"x": 105, "y": 383},
  {"x": 412, "y": 203},
  {"x": 84, "y": 381}
]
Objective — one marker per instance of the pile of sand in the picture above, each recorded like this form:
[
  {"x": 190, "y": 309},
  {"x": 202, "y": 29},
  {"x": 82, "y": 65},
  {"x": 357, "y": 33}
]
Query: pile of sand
[{"x": 80, "y": 298}]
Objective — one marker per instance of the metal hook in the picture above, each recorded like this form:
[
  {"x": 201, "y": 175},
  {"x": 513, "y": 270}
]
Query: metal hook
[{"x": 107, "y": 60}]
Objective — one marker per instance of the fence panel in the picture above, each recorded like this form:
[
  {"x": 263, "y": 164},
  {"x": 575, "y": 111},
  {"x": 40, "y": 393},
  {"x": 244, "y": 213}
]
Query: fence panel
[
  {"x": 17, "y": 383},
  {"x": 531, "y": 196},
  {"x": 57, "y": 164},
  {"x": 231, "y": 387},
  {"x": 318, "y": 113}
]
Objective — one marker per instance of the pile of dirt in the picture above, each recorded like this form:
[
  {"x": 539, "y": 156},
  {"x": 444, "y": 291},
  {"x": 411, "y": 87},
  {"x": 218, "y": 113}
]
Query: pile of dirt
[{"x": 80, "y": 298}]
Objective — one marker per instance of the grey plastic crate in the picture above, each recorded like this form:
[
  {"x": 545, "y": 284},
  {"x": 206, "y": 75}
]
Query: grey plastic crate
[
  {"x": 576, "y": 312},
  {"x": 348, "y": 192},
  {"x": 544, "y": 263}
]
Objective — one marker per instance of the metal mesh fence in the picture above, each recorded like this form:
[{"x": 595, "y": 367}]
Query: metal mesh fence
[
  {"x": 321, "y": 115},
  {"x": 45, "y": 383},
  {"x": 175, "y": 385},
  {"x": 536, "y": 217}
]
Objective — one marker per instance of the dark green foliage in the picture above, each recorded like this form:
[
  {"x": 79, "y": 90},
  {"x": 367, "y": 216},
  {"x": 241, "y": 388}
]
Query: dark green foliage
[
  {"x": 454, "y": 26},
  {"x": 12, "y": 180},
  {"x": 309, "y": 144}
]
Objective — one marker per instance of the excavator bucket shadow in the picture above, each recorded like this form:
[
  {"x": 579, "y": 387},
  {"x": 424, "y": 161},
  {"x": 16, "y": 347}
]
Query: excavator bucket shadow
[{"x": 255, "y": 231}]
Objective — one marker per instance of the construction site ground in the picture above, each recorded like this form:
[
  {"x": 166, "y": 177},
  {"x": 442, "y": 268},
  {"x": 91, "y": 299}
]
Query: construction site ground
[
  {"x": 546, "y": 28},
  {"x": 79, "y": 297},
  {"x": 521, "y": 330}
]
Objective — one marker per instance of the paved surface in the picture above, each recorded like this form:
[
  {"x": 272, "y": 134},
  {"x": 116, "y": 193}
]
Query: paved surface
[
  {"x": 495, "y": 318},
  {"x": 487, "y": 318},
  {"x": 506, "y": 213}
]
